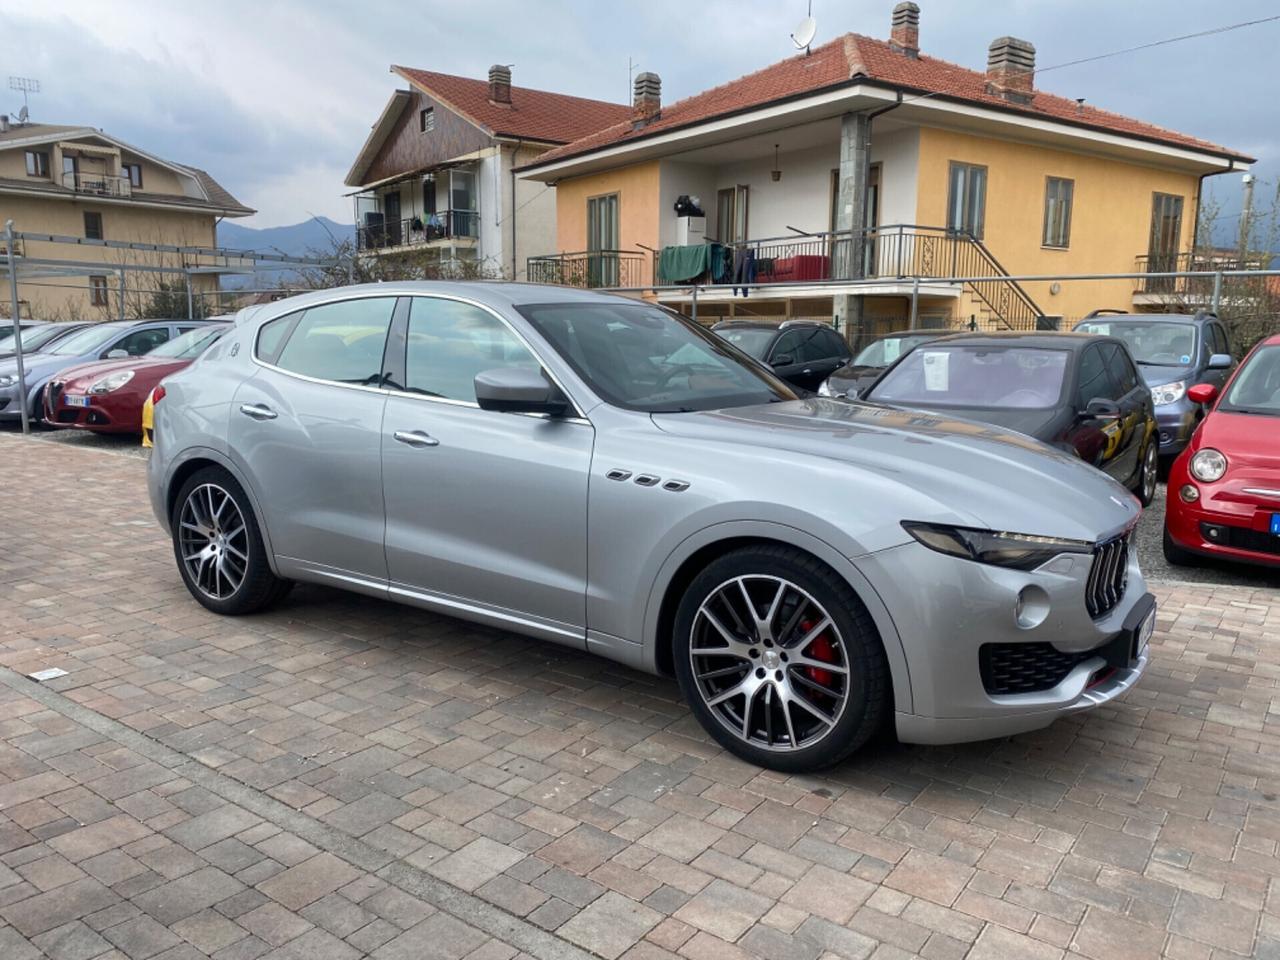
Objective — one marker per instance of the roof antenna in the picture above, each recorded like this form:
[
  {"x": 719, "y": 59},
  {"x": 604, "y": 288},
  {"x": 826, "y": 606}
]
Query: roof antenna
[
  {"x": 26, "y": 85},
  {"x": 804, "y": 33}
]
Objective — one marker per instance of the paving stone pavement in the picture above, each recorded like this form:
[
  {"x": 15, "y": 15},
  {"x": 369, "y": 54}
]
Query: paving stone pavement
[{"x": 343, "y": 777}]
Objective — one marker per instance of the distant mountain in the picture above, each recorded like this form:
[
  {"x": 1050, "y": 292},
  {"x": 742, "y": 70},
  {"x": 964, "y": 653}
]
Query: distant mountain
[{"x": 296, "y": 240}]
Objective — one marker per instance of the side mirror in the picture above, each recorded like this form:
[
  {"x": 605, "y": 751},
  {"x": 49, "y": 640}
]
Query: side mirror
[
  {"x": 117, "y": 354},
  {"x": 1220, "y": 361},
  {"x": 1203, "y": 393},
  {"x": 782, "y": 360},
  {"x": 519, "y": 390},
  {"x": 1100, "y": 408}
]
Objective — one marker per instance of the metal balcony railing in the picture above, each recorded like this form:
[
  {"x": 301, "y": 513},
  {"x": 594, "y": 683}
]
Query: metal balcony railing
[
  {"x": 592, "y": 269},
  {"x": 1198, "y": 288},
  {"x": 98, "y": 184},
  {"x": 420, "y": 229}
]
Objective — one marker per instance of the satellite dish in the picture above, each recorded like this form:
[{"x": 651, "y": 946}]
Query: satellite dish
[
  {"x": 804, "y": 33},
  {"x": 22, "y": 114}
]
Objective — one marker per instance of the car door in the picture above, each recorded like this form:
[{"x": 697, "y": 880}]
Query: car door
[
  {"x": 798, "y": 357},
  {"x": 137, "y": 342},
  {"x": 306, "y": 430},
  {"x": 1095, "y": 439},
  {"x": 1134, "y": 398},
  {"x": 486, "y": 511}
]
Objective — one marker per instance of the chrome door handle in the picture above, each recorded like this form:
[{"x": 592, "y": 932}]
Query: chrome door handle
[
  {"x": 416, "y": 438},
  {"x": 258, "y": 411}
]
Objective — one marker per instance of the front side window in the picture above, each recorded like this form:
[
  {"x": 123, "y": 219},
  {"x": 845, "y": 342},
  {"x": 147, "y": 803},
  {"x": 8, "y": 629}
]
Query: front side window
[
  {"x": 1057, "y": 212},
  {"x": 341, "y": 341},
  {"x": 642, "y": 357},
  {"x": 975, "y": 376},
  {"x": 92, "y": 225},
  {"x": 1120, "y": 368},
  {"x": 98, "y": 291},
  {"x": 967, "y": 199},
  {"x": 1094, "y": 382},
  {"x": 142, "y": 341},
  {"x": 1220, "y": 342},
  {"x": 788, "y": 347},
  {"x": 37, "y": 164},
  {"x": 1256, "y": 388},
  {"x": 450, "y": 342}
]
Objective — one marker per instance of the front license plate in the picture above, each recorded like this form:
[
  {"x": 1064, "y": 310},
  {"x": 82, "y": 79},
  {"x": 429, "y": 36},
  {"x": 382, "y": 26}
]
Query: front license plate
[
  {"x": 1275, "y": 524},
  {"x": 1143, "y": 636},
  {"x": 74, "y": 401}
]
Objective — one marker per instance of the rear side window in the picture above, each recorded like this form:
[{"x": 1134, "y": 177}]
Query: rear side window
[
  {"x": 342, "y": 342},
  {"x": 788, "y": 345},
  {"x": 1220, "y": 342},
  {"x": 834, "y": 345},
  {"x": 1120, "y": 367},
  {"x": 450, "y": 342},
  {"x": 272, "y": 336},
  {"x": 1093, "y": 379}
]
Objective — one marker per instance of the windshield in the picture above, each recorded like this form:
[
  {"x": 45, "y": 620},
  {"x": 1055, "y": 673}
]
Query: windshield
[
  {"x": 1158, "y": 343},
  {"x": 645, "y": 358},
  {"x": 750, "y": 341},
  {"x": 190, "y": 345},
  {"x": 88, "y": 340},
  {"x": 33, "y": 338},
  {"x": 976, "y": 376},
  {"x": 1256, "y": 388},
  {"x": 884, "y": 351}
]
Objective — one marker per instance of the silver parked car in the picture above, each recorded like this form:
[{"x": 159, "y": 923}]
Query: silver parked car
[{"x": 599, "y": 472}]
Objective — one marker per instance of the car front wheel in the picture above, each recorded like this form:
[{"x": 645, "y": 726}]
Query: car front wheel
[
  {"x": 1149, "y": 473},
  {"x": 219, "y": 548},
  {"x": 779, "y": 659}
]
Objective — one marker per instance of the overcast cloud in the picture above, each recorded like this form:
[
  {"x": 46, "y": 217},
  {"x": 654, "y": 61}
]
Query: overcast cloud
[{"x": 275, "y": 97}]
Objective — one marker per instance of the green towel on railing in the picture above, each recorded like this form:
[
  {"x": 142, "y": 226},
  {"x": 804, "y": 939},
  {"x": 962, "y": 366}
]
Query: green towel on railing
[{"x": 678, "y": 264}]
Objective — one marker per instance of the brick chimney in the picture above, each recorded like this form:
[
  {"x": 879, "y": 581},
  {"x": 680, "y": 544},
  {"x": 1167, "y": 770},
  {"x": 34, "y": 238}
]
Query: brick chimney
[
  {"x": 905, "y": 35},
  {"x": 499, "y": 84},
  {"x": 648, "y": 99},
  {"x": 1011, "y": 69}
]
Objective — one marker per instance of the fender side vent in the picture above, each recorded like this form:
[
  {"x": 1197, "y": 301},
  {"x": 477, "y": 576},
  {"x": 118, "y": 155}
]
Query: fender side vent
[{"x": 647, "y": 480}]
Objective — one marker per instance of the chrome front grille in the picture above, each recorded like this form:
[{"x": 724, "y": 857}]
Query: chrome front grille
[{"x": 1108, "y": 576}]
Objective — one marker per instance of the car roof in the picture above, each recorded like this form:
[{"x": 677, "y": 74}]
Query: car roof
[
  {"x": 1042, "y": 339},
  {"x": 1110, "y": 317}
]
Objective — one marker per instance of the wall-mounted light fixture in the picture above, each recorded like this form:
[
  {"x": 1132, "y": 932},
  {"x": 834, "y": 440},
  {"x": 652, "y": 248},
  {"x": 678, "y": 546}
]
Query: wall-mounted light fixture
[{"x": 775, "y": 174}]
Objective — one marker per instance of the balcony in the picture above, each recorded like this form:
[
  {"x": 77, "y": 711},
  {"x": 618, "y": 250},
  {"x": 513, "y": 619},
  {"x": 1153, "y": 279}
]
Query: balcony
[
  {"x": 591, "y": 270},
  {"x": 443, "y": 226},
  {"x": 1197, "y": 291},
  {"x": 98, "y": 184}
]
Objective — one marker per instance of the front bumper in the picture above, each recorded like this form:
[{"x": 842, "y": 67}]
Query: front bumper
[
  {"x": 947, "y": 610},
  {"x": 1175, "y": 423},
  {"x": 1227, "y": 521},
  {"x": 106, "y": 413}
]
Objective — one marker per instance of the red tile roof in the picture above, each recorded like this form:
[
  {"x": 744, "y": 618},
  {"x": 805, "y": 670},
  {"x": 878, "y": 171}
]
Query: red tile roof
[
  {"x": 852, "y": 58},
  {"x": 534, "y": 114}
]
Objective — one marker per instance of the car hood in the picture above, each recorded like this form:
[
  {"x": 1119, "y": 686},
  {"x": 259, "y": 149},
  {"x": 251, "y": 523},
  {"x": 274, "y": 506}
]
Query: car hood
[
  {"x": 1247, "y": 439},
  {"x": 1004, "y": 480},
  {"x": 1154, "y": 376},
  {"x": 39, "y": 365},
  {"x": 98, "y": 369}
]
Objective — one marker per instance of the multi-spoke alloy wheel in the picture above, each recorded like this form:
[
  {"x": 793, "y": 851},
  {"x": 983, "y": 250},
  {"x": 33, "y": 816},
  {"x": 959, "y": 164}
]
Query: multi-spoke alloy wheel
[
  {"x": 214, "y": 541},
  {"x": 769, "y": 662},
  {"x": 1150, "y": 472}
]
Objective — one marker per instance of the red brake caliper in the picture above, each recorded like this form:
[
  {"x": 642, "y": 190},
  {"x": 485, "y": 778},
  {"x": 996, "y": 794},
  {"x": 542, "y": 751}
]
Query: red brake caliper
[{"x": 819, "y": 649}]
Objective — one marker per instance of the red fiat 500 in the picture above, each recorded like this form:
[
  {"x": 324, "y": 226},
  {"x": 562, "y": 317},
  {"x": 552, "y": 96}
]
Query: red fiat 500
[
  {"x": 1224, "y": 489},
  {"x": 107, "y": 396}
]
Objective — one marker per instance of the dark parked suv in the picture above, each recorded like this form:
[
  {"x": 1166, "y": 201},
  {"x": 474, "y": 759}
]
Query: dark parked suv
[
  {"x": 1174, "y": 351},
  {"x": 802, "y": 352}
]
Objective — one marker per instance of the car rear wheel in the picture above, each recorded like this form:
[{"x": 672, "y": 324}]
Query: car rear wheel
[
  {"x": 219, "y": 549},
  {"x": 1149, "y": 473},
  {"x": 1173, "y": 553},
  {"x": 779, "y": 659}
]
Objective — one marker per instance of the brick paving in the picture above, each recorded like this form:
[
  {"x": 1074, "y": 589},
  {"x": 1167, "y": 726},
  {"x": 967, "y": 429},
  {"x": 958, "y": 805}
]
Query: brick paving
[{"x": 343, "y": 777}]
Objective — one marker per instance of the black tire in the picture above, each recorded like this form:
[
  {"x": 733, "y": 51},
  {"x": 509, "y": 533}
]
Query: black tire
[
  {"x": 867, "y": 689},
  {"x": 259, "y": 588},
  {"x": 1174, "y": 554},
  {"x": 1148, "y": 462}
]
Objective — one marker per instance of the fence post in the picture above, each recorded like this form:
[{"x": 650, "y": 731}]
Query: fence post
[
  {"x": 695, "y": 303},
  {"x": 10, "y": 240},
  {"x": 190, "y": 305},
  {"x": 1217, "y": 289},
  {"x": 915, "y": 302},
  {"x": 122, "y": 294}
]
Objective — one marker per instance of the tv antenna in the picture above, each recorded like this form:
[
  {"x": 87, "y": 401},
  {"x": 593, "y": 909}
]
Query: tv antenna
[
  {"x": 804, "y": 33},
  {"x": 26, "y": 85}
]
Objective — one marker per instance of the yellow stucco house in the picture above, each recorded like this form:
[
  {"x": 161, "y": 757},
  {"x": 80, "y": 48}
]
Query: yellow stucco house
[
  {"x": 80, "y": 183},
  {"x": 869, "y": 161}
]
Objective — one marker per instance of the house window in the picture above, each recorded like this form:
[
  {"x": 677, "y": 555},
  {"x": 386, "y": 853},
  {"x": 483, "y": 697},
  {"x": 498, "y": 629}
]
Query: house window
[
  {"x": 1057, "y": 212},
  {"x": 133, "y": 173},
  {"x": 70, "y": 171},
  {"x": 92, "y": 225},
  {"x": 98, "y": 291},
  {"x": 37, "y": 163},
  {"x": 967, "y": 199},
  {"x": 731, "y": 214},
  {"x": 426, "y": 119}
]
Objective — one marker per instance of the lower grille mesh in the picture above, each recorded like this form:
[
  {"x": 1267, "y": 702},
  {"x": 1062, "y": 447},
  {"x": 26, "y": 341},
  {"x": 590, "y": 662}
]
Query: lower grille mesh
[{"x": 1026, "y": 667}]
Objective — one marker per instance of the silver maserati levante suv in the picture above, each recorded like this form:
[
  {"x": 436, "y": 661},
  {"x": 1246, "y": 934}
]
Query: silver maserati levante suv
[{"x": 599, "y": 472}]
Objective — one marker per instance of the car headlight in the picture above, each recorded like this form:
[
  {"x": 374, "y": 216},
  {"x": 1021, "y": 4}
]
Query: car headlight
[
  {"x": 824, "y": 389},
  {"x": 112, "y": 381},
  {"x": 1168, "y": 393},
  {"x": 1021, "y": 551},
  {"x": 1208, "y": 465}
]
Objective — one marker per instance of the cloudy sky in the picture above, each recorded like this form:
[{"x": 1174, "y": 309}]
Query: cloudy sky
[{"x": 274, "y": 97}]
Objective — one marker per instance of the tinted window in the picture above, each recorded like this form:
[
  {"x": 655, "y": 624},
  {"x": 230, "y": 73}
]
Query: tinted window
[
  {"x": 142, "y": 341},
  {"x": 1220, "y": 342},
  {"x": 1092, "y": 378},
  {"x": 813, "y": 346},
  {"x": 340, "y": 341},
  {"x": 645, "y": 358},
  {"x": 788, "y": 345},
  {"x": 834, "y": 345},
  {"x": 271, "y": 337},
  {"x": 450, "y": 342},
  {"x": 1120, "y": 368},
  {"x": 975, "y": 376}
]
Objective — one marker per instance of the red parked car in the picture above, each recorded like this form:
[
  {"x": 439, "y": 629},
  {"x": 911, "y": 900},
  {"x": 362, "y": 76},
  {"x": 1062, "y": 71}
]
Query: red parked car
[
  {"x": 106, "y": 396},
  {"x": 1224, "y": 489}
]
